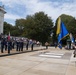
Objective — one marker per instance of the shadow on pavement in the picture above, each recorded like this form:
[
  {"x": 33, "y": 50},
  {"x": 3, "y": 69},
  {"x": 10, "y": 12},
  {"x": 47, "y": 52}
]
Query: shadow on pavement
[{"x": 21, "y": 52}]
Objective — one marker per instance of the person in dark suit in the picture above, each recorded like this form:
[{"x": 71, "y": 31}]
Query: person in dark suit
[
  {"x": 9, "y": 46},
  {"x": 74, "y": 54},
  {"x": 17, "y": 45},
  {"x": 13, "y": 42},
  {"x": 46, "y": 44},
  {"x": 32, "y": 45},
  {"x": 5, "y": 43},
  {"x": 2, "y": 45},
  {"x": 21, "y": 45},
  {"x": 27, "y": 43}
]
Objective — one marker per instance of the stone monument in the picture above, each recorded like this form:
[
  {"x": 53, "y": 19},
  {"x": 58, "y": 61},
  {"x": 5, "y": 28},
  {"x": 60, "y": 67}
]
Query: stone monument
[{"x": 2, "y": 12}]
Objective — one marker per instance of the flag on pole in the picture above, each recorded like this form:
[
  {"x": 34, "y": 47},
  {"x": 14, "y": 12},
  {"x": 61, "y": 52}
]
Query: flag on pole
[
  {"x": 8, "y": 36},
  {"x": 61, "y": 32},
  {"x": 58, "y": 26}
]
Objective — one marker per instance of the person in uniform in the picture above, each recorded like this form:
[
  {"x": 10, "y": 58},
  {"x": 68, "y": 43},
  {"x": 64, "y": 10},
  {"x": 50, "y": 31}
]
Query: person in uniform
[
  {"x": 17, "y": 45},
  {"x": 9, "y": 46},
  {"x": 32, "y": 45},
  {"x": 27, "y": 43},
  {"x": 74, "y": 53},
  {"x": 5, "y": 43},
  {"x": 21, "y": 45},
  {"x": 46, "y": 44},
  {"x": 2, "y": 45}
]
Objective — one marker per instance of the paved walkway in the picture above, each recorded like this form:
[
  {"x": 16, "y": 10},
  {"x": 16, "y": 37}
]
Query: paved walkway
[
  {"x": 13, "y": 51},
  {"x": 42, "y": 62}
]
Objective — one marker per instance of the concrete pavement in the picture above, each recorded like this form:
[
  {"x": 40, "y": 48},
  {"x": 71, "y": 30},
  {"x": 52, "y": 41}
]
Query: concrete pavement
[{"x": 52, "y": 61}]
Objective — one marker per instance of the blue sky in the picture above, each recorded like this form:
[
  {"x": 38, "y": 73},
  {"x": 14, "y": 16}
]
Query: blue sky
[{"x": 17, "y": 9}]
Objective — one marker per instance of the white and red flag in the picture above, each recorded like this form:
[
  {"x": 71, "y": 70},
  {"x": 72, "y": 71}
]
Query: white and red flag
[{"x": 9, "y": 36}]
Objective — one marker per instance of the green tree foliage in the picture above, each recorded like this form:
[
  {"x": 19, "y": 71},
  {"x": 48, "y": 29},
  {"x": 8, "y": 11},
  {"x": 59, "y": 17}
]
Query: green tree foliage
[
  {"x": 39, "y": 27},
  {"x": 19, "y": 27},
  {"x": 66, "y": 19},
  {"x": 72, "y": 27},
  {"x": 7, "y": 28}
]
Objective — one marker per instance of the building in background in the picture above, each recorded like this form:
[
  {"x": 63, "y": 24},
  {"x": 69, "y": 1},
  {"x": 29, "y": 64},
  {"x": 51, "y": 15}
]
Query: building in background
[{"x": 2, "y": 12}]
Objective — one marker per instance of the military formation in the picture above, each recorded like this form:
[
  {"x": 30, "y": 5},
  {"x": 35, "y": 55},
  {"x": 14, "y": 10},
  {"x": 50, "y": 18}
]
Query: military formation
[{"x": 18, "y": 44}]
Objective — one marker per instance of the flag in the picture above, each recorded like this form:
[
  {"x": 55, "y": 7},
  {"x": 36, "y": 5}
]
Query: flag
[
  {"x": 8, "y": 36},
  {"x": 63, "y": 32},
  {"x": 58, "y": 26},
  {"x": 71, "y": 37},
  {"x": 9, "y": 33}
]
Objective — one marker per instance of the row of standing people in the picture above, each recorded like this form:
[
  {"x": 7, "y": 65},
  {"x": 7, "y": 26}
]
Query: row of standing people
[
  {"x": 5, "y": 45},
  {"x": 9, "y": 45}
]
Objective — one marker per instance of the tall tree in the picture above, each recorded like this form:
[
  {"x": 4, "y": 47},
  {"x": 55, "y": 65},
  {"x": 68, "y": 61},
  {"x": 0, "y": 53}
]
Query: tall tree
[
  {"x": 72, "y": 27},
  {"x": 7, "y": 28},
  {"x": 19, "y": 25},
  {"x": 39, "y": 27}
]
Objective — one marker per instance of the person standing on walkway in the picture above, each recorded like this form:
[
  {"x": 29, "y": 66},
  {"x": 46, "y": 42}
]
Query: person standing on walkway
[
  {"x": 2, "y": 45},
  {"x": 27, "y": 43},
  {"x": 17, "y": 45},
  {"x": 9, "y": 46},
  {"x": 55, "y": 44},
  {"x": 13, "y": 43},
  {"x": 21, "y": 45},
  {"x": 74, "y": 51},
  {"x": 5, "y": 43},
  {"x": 32, "y": 45},
  {"x": 46, "y": 44}
]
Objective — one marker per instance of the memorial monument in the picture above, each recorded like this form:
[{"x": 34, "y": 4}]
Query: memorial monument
[{"x": 2, "y": 12}]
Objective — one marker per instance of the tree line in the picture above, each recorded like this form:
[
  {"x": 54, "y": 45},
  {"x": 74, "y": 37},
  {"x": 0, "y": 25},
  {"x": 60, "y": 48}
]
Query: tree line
[{"x": 39, "y": 27}]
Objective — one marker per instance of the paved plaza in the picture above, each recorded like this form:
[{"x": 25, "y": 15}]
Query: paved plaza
[{"x": 52, "y": 61}]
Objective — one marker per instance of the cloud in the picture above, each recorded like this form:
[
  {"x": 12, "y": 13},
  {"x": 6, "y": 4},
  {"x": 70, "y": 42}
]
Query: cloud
[
  {"x": 11, "y": 16},
  {"x": 54, "y": 8}
]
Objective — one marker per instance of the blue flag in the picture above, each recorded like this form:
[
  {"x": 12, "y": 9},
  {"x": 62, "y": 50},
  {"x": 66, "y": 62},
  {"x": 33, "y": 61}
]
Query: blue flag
[{"x": 63, "y": 33}]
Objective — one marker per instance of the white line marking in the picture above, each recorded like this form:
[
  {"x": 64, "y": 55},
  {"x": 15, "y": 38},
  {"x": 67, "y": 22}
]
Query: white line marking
[
  {"x": 54, "y": 54},
  {"x": 50, "y": 56}
]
